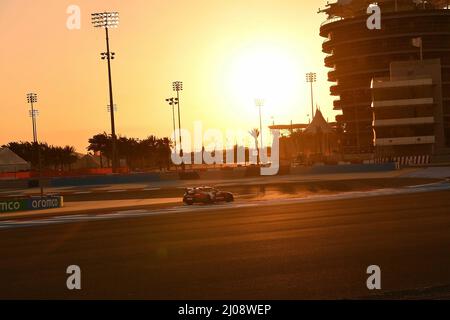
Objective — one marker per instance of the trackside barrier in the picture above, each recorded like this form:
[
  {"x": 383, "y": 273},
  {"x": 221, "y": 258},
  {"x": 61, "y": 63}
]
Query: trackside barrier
[
  {"x": 29, "y": 204},
  {"x": 407, "y": 160},
  {"x": 354, "y": 168},
  {"x": 189, "y": 175},
  {"x": 105, "y": 180},
  {"x": 350, "y": 168}
]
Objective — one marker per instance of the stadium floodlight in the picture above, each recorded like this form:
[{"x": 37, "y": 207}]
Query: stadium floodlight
[
  {"x": 177, "y": 86},
  {"x": 32, "y": 98},
  {"x": 105, "y": 19},
  {"x": 109, "y": 20}
]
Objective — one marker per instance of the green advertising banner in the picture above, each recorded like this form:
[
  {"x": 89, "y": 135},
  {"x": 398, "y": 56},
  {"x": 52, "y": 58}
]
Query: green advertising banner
[
  {"x": 13, "y": 205},
  {"x": 34, "y": 203}
]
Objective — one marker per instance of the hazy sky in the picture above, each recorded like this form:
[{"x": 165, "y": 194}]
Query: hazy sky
[{"x": 227, "y": 52}]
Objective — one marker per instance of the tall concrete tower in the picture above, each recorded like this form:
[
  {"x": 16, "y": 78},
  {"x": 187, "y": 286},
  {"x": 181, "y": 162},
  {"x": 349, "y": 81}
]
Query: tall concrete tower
[{"x": 356, "y": 55}]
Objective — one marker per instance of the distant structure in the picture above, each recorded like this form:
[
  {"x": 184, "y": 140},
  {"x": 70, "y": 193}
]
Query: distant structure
[
  {"x": 286, "y": 129},
  {"x": 408, "y": 115},
  {"x": 11, "y": 162},
  {"x": 320, "y": 135},
  {"x": 309, "y": 143},
  {"x": 89, "y": 161},
  {"x": 357, "y": 55}
]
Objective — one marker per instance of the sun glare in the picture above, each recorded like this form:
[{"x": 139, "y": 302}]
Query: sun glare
[{"x": 265, "y": 73}]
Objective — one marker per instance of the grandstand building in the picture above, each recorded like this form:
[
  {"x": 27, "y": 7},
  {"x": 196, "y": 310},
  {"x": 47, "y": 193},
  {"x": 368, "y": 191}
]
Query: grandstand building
[
  {"x": 357, "y": 55},
  {"x": 408, "y": 113}
]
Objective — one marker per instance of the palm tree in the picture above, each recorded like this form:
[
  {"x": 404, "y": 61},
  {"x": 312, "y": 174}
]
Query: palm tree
[
  {"x": 51, "y": 156},
  {"x": 128, "y": 150},
  {"x": 101, "y": 144},
  {"x": 148, "y": 148},
  {"x": 23, "y": 150},
  {"x": 255, "y": 134},
  {"x": 150, "y": 152},
  {"x": 163, "y": 153},
  {"x": 69, "y": 156}
]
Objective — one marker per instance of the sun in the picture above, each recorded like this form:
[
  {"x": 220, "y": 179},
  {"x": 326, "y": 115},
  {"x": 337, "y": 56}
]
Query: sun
[{"x": 267, "y": 73}]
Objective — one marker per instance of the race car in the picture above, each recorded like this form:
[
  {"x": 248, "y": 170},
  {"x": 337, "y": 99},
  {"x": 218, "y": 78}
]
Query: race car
[{"x": 206, "y": 195}]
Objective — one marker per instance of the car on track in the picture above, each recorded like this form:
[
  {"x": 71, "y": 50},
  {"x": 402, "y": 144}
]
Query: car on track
[{"x": 206, "y": 195}]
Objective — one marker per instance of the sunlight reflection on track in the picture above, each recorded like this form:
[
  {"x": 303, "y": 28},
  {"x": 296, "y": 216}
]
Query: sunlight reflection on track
[{"x": 441, "y": 186}]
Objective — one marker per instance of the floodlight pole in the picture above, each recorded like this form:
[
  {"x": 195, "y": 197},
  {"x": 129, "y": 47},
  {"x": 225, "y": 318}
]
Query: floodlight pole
[
  {"x": 312, "y": 100},
  {"x": 179, "y": 122},
  {"x": 260, "y": 103},
  {"x": 107, "y": 20},
  {"x": 33, "y": 120},
  {"x": 173, "y": 102},
  {"x": 174, "y": 128},
  {"x": 32, "y": 98},
  {"x": 178, "y": 86},
  {"x": 311, "y": 77},
  {"x": 111, "y": 103}
]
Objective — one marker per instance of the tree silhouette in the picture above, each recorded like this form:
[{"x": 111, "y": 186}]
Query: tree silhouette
[
  {"x": 255, "y": 134},
  {"x": 151, "y": 152},
  {"x": 53, "y": 157},
  {"x": 101, "y": 144}
]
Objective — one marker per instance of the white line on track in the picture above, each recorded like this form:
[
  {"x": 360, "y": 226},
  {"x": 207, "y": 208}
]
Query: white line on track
[
  {"x": 70, "y": 217},
  {"x": 129, "y": 211},
  {"x": 185, "y": 209}
]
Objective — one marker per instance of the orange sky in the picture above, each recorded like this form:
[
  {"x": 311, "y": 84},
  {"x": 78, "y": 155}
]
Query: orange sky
[{"x": 227, "y": 52}]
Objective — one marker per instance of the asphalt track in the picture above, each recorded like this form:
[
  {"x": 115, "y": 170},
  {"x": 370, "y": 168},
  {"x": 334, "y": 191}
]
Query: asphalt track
[{"x": 273, "y": 250}]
